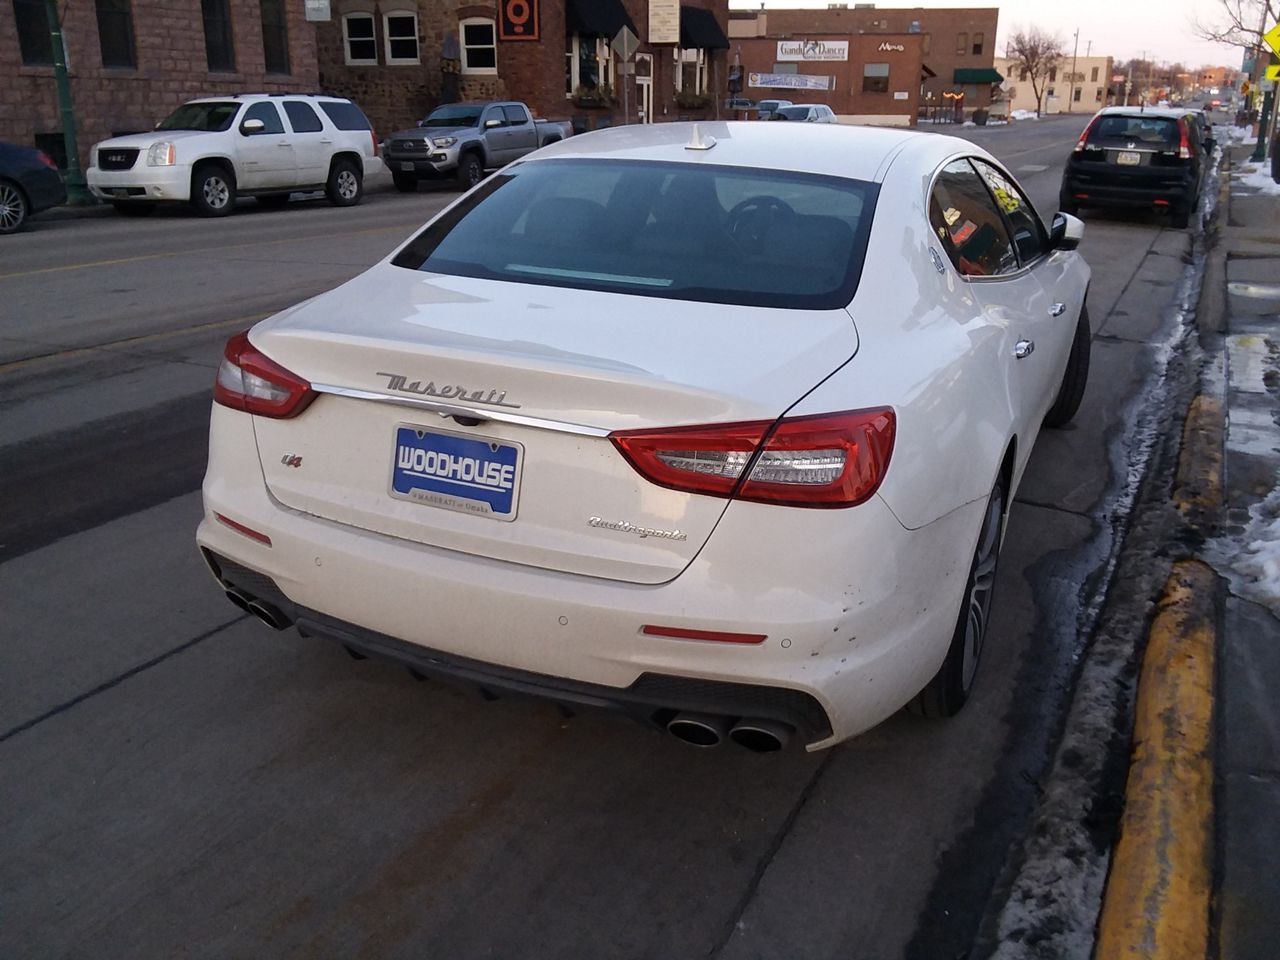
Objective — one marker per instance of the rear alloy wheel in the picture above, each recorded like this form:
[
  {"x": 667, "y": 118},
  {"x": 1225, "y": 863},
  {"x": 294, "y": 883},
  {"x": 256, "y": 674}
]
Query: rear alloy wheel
[
  {"x": 1074, "y": 378},
  {"x": 13, "y": 207},
  {"x": 405, "y": 182},
  {"x": 470, "y": 171},
  {"x": 344, "y": 188},
  {"x": 948, "y": 691},
  {"x": 213, "y": 191}
]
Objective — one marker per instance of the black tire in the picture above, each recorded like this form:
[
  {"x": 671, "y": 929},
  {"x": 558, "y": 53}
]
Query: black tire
[
  {"x": 213, "y": 190},
  {"x": 272, "y": 201},
  {"x": 14, "y": 208},
  {"x": 405, "y": 182},
  {"x": 470, "y": 171},
  {"x": 128, "y": 209},
  {"x": 1074, "y": 378},
  {"x": 949, "y": 690},
  {"x": 345, "y": 186}
]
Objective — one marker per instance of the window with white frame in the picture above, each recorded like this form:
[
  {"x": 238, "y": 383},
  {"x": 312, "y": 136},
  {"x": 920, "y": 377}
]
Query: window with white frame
[
  {"x": 359, "y": 46},
  {"x": 691, "y": 71},
  {"x": 588, "y": 63},
  {"x": 401, "y": 30},
  {"x": 479, "y": 45}
]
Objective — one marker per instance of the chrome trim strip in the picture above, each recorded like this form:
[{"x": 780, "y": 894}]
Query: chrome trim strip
[{"x": 457, "y": 409}]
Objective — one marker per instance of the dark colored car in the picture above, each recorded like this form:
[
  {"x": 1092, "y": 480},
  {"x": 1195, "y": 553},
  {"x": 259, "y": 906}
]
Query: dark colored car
[
  {"x": 1128, "y": 157},
  {"x": 29, "y": 183}
]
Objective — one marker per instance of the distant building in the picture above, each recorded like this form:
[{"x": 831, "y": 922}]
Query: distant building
[{"x": 1088, "y": 92}]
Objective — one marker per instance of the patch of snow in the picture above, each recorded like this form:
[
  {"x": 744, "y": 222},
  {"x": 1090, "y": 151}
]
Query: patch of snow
[
  {"x": 1024, "y": 115},
  {"x": 1252, "y": 559},
  {"x": 1233, "y": 134},
  {"x": 1256, "y": 176}
]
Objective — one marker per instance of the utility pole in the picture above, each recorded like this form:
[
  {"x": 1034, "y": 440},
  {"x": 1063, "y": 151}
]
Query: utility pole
[
  {"x": 1260, "y": 148},
  {"x": 1075, "y": 51},
  {"x": 76, "y": 191}
]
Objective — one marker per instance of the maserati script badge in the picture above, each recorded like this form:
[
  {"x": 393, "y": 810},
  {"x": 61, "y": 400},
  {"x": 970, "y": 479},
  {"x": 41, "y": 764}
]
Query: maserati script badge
[
  {"x": 401, "y": 384},
  {"x": 626, "y": 526}
]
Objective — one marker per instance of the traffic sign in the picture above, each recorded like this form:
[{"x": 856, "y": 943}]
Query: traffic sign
[
  {"x": 625, "y": 43},
  {"x": 1273, "y": 72},
  {"x": 1272, "y": 37}
]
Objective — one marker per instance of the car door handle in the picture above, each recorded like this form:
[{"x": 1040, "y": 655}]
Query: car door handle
[
  {"x": 326, "y": 140},
  {"x": 1057, "y": 309},
  {"x": 1023, "y": 349}
]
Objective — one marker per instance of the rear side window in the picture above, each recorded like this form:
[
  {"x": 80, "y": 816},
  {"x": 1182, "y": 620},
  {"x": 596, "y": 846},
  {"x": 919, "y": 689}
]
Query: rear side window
[
  {"x": 301, "y": 117},
  {"x": 1155, "y": 132},
  {"x": 345, "y": 115},
  {"x": 672, "y": 230},
  {"x": 1029, "y": 238},
  {"x": 965, "y": 219}
]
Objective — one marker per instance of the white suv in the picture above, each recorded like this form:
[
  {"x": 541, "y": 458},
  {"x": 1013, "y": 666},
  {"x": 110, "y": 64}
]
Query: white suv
[{"x": 210, "y": 150}]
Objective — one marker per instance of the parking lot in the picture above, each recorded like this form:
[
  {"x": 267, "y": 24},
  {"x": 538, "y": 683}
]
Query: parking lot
[{"x": 181, "y": 781}]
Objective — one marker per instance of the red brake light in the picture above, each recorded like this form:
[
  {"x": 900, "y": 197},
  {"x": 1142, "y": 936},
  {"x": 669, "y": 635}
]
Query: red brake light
[
  {"x": 46, "y": 160},
  {"x": 1184, "y": 146},
  {"x": 828, "y": 460},
  {"x": 1084, "y": 137},
  {"x": 250, "y": 381},
  {"x": 373, "y": 135}
]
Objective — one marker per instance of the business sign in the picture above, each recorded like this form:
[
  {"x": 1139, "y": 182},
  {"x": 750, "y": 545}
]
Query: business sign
[
  {"x": 317, "y": 11},
  {"x": 888, "y": 47},
  {"x": 789, "y": 81},
  {"x": 664, "y": 21},
  {"x": 812, "y": 50},
  {"x": 518, "y": 20}
]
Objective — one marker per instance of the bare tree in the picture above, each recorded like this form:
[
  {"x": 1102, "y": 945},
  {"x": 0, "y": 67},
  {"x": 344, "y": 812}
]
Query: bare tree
[
  {"x": 1237, "y": 23},
  {"x": 1035, "y": 52}
]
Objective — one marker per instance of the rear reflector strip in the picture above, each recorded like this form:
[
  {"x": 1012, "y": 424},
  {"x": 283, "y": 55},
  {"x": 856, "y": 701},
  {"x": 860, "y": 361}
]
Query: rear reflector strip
[
  {"x": 240, "y": 528},
  {"x": 679, "y": 633}
]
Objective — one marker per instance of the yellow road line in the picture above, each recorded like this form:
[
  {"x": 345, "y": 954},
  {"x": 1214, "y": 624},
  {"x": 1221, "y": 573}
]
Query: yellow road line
[{"x": 1156, "y": 905}]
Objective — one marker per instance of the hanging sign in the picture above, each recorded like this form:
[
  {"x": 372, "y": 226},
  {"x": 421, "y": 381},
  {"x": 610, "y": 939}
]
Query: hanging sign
[
  {"x": 518, "y": 20},
  {"x": 664, "y": 21}
]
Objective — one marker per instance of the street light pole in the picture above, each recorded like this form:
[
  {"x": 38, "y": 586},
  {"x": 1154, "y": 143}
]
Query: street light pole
[
  {"x": 76, "y": 191},
  {"x": 1260, "y": 148},
  {"x": 1075, "y": 51}
]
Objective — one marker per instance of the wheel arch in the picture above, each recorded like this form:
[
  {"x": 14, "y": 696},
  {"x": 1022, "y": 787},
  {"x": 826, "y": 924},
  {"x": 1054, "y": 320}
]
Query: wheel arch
[{"x": 350, "y": 155}]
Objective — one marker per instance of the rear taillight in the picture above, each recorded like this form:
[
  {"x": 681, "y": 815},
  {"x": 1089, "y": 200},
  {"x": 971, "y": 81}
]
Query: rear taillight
[
  {"x": 373, "y": 136},
  {"x": 1184, "y": 145},
  {"x": 46, "y": 160},
  {"x": 1084, "y": 137},
  {"x": 250, "y": 381},
  {"x": 829, "y": 460}
]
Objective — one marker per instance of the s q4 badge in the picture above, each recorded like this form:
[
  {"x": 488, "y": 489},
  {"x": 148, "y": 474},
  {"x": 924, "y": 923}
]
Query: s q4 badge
[{"x": 291, "y": 460}]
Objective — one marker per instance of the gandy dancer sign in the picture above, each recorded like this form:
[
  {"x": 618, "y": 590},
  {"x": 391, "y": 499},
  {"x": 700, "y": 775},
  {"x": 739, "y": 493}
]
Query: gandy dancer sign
[{"x": 812, "y": 50}]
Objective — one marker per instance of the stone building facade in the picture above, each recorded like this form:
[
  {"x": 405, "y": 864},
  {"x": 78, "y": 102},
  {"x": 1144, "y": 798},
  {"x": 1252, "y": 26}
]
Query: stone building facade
[
  {"x": 553, "y": 54},
  {"x": 131, "y": 62}
]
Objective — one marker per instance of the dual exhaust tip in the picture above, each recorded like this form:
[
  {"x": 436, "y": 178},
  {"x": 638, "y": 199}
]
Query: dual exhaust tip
[
  {"x": 268, "y": 613},
  {"x": 707, "y": 730}
]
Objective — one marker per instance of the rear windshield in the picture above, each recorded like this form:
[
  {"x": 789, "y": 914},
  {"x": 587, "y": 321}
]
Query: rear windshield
[
  {"x": 793, "y": 113},
  {"x": 207, "y": 117},
  {"x": 345, "y": 115},
  {"x": 454, "y": 117},
  {"x": 1153, "y": 131},
  {"x": 673, "y": 230}
]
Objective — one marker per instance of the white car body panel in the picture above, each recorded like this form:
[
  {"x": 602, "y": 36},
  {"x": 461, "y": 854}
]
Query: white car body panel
[{"x": 858, "y": 604}]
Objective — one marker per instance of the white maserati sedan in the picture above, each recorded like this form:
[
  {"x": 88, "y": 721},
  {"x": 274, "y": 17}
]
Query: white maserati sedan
[{"x": 716, "y": 425}]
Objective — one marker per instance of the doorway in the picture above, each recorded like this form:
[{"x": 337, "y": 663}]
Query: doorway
[{"x": 644, "y": 87}]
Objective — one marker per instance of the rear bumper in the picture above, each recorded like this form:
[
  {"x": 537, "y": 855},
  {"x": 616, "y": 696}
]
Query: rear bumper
[
  {"x": 141, "y": 183},
  {"x": 44, "y": 189},
  {"x": 1107, "y": 188}
]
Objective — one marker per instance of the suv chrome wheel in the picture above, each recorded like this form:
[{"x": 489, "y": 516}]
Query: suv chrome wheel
[
  {"x": 13, "y": 208},
  {"x": 216, "y": 192},
  {"x": 347, "y": 186}
]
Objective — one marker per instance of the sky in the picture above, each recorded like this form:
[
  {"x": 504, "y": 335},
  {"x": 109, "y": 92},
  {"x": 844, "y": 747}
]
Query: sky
[{"x": 1117, "y": 28}]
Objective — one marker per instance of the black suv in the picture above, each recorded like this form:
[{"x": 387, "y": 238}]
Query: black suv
[{"x": 1134, "y": 157}]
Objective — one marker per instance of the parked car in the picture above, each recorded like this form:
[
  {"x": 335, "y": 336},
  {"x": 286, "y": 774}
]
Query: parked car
[
  {"x": 29, "y": 183},
  {"x": 463, "y": 140},
  {"x": 484, "y": 457},
  {"x": 806, "y": 113},
  {"x": 766, "y": 108},
  {"x": 209, "y": 151},
  {"x": 1142, "y": 158}
]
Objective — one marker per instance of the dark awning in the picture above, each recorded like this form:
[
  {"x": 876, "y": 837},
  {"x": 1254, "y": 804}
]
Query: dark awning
[
  {"x": 596, "y": 18},
  {"x": 978, "y": 75},
  {"x": 699, "y": 30},
  {"x": 926, "y": 73}
]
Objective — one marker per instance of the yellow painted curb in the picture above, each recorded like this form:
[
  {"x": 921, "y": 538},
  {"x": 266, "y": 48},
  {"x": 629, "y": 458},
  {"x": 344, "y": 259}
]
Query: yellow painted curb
[
  {"x": 1197, "y": 492},
  {"x": 1156, "y": 905}
]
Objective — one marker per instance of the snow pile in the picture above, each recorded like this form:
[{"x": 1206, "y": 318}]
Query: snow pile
[
  {"x": 1024, "y": 115},
  {"x": 1254, "y": 557},
  {"x": 1227, "y": 134},
  {"x": 1256, "y": 176}
]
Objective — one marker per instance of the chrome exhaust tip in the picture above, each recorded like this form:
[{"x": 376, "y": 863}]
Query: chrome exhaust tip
[
  {"x": 760, "y": 736},
  {"x": 272, "y": 616},
  {"x": 239, "y": 598},
  {"x": 699, "y": 729}
]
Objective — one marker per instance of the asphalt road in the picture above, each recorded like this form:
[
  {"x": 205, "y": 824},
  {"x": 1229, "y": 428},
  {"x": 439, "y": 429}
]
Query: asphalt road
[{"x": 177, "y": 780}]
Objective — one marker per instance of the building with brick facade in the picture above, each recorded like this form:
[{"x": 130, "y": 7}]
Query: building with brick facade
[
  {"x": 131, "y": 62},
  {"x": 957, "y": 45},
  {"x": 555, "y": 55},
  {"x": 1089, "y": 92}
]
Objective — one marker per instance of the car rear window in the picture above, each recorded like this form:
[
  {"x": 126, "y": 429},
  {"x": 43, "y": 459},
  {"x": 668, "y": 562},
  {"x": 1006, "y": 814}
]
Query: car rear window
[
  {"x": 345, "y": 115},
  {"x": 672, "y": 230},
  {"x": 1153, "y": 131}
]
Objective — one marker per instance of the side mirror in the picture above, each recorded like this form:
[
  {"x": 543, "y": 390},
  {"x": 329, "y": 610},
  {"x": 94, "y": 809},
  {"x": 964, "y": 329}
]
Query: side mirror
[
  {"x": 420, "y": 123},
  {"x": 252, "y": 127},
  {"x": 492, "y": 122},
  {"x": 1066, "y": 232}
]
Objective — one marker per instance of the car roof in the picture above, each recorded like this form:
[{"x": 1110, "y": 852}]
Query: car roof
[
  {"x": 251, "y": 97},
  {"x": 836, "y": 150},
  {"x": 1174, "y": 112}
]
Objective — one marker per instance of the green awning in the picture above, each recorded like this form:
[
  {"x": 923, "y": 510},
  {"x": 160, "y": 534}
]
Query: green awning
[{"x": 977, "y": 75}]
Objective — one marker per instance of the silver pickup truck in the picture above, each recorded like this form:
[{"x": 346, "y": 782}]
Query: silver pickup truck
[{"x": 463, "y": 140}]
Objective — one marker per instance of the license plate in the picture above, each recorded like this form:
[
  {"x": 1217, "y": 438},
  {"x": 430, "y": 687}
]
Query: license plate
[
  {"x": 407, "y": 166},
  {"x": 1127, "y": 158},
  {"x": 456, "y": 472}
]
